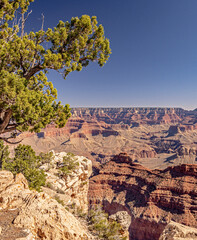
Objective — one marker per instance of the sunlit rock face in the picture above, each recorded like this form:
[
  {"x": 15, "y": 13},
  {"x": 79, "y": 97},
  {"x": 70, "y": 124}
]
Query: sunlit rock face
[
  {"x": 149, "y": 199},
  {"x": 33, "y": 215},
  {"x": 73, "y": 188}
]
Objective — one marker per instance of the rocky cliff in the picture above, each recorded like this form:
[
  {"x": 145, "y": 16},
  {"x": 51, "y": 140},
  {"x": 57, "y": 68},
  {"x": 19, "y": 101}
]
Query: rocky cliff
[
  {"x": 146, "y": 199},
  {"x": 30, "y": 215}
]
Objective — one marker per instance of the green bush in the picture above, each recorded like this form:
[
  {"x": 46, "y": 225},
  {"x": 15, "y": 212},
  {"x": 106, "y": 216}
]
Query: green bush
[
  {"x": 45, "y": 157},
  {"x": 26, "y": 162},
  {"x": 69, "y": 165},
  {"x": 80, "y": 213},
  {"x": 100, "y": 225},
  {"x": 50, "y": 185}
]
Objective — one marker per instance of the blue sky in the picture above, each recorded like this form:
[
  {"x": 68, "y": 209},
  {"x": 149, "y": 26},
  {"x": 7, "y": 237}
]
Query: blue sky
[{"x": 154, "y": 53}]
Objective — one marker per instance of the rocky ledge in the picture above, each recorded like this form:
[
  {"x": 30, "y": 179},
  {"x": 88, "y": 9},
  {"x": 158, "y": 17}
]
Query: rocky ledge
[
  {"x": 146, "y": 200},
  {"x": 31, "y": 215}
]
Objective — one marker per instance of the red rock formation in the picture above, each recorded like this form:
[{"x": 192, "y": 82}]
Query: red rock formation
[
  {"x": 150, "y": 197},
  {"x": 106, "y": 121},
  {"x": 147, "y": 154},
  {"x": 81, "y": 126}
]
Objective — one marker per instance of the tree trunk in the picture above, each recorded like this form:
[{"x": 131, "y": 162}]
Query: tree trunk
[{"x": 5, "y": 120}]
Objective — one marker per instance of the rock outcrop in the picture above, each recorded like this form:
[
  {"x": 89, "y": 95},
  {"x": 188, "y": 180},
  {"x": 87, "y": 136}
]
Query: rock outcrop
[
  {"x": 73, "y": 188},
  {"x": 149, "y": 199},
  {"x": 37, "y": 215},
  {"x": 177, "y": 231}
]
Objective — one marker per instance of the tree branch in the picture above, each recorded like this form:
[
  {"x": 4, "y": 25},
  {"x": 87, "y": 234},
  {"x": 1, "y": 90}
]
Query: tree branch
[
  {"x": 10, "y": 129},
  {"x": 23, "y": 22},
  {"x": 33, "y": 71},
  {"x": 6, "y": 140}
]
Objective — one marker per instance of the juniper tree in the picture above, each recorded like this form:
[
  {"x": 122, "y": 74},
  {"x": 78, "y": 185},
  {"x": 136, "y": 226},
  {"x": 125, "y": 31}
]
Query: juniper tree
[
  {"x": 27, "y": 98},
  {"x": 26, "y": 162}
]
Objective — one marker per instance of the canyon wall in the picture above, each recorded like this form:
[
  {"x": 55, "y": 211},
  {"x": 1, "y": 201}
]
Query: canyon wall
[
  {"x": 148, "y": 199},
  {"x": 131, "y": 115}
]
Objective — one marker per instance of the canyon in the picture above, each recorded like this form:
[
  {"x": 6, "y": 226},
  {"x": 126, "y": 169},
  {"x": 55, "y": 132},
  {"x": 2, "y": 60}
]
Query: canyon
[
  {"x": 153, "y": 137},
  {"x": 144, "y": 200},
  {"x": 144, "y": 167}
]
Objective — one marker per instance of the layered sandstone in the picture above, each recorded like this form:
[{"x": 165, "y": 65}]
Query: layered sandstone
[
  {"x": 187, "y": 150},
  {"x": 148, "y": 199},
  {"x": 36, "y": 215}
]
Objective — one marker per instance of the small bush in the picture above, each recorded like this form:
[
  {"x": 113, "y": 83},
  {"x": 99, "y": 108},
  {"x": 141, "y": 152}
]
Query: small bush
[
  {"x": 79, "y": 213},
  {"x": 50, "y": 185},
  {"x": 104, "y": 228},
  {"x": 69, "y": 165},
  {"x": 4, "y": 154},
  {"x": 45, "y": 157}
]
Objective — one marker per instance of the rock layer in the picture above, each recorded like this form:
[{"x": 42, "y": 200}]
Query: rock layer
[
  {"x": 131, "y": 115},
  {"x": 150, "y": 197}
]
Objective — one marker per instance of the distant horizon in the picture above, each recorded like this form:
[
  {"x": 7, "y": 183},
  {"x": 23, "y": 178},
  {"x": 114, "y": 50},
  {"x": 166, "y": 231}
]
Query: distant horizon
[{"x": 134, "y": 107}]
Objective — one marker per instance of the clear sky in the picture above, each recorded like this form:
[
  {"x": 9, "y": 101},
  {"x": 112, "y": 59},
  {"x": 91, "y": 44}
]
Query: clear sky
[{"x": 154, "y": 53}]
